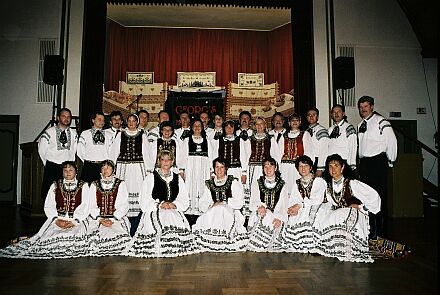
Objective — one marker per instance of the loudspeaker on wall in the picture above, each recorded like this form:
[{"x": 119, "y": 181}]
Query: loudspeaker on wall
[
  {"x": 343, "y": 72},
  {"x": 53, "y": 70}
]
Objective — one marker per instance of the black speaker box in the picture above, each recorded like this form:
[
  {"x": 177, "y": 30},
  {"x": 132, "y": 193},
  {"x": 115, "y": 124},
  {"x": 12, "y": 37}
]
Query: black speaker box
[
  {"x": 53, "y": 70},
  {"x": 343, "y": 72}
]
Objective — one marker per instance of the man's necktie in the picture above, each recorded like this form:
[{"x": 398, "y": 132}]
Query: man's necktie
[
  {"x": 363, "y": 127},
  {"x": 217, "y": 135},
  {"x": 63, "y": 137},
  {"x": 244, "y": 135},
  {"x": 335, "y": 132},
  {"x": 310, "y": 131},
  {"x": 185, "y": 134},
  {"x": 279, "y": 136},
  {"x": 98, "y": 137}
]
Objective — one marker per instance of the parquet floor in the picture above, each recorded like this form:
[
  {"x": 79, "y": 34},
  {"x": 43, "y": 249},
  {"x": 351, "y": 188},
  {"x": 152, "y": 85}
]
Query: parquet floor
[{"x": 235, "y": 273}]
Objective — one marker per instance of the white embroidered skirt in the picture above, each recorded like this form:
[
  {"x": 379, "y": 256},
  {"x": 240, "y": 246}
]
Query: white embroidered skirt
[
  {"x": 163, "y": 233},
  {"x": 107, "y": 241},
  {"x": 52, "y": 242},
  {"x": 263, "y": 237},
  {"x": 221, "y": 229},
  {"x": 343, "y": 233}
]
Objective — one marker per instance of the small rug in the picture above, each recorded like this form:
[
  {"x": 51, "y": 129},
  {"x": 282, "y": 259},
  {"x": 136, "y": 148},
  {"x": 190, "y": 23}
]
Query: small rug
[
  {"x": 386, "y": 249},
  {"x": 16, "y": 240}
]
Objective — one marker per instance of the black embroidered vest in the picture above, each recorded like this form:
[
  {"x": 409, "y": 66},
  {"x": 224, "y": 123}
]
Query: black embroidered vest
[
  {"x": 230, "y": 151},
  {"x": 198, "y": 149},
  {"x": 270, "y": 196},
  {"x": 165, "y": 192},
  {"x": 304, "y": 191},
  {"x": 131, "y": 148},
  {"x": 220, "y": 193},
  {"x": 169, "y": 145}
]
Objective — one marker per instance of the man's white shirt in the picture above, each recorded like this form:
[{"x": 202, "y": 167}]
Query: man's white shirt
[{"x": 50, "y": 148}]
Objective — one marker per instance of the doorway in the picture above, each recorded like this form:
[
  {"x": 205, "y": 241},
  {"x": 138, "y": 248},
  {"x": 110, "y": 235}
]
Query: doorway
[{"x": 8, "y": 159}]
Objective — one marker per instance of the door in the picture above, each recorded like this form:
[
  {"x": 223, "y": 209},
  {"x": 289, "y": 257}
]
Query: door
[{"x": 8, "y": 159}]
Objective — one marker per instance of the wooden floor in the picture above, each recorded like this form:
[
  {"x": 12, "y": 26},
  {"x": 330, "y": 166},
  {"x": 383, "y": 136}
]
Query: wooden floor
[{"x": 235, "y": 273}]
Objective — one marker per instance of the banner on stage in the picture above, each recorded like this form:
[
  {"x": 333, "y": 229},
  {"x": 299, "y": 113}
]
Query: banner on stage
[
  {"x": 250, "y": 79},
  {"x": 196, "y": 79},
  {"x": 134, "y": 97},
  {"x": 260, "y": 102},
  {"x": 140, "y": 78}
]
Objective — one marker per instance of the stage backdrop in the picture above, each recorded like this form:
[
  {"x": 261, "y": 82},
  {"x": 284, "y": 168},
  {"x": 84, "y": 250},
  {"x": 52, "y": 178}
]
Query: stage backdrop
[{"x": 226, "y": 52}]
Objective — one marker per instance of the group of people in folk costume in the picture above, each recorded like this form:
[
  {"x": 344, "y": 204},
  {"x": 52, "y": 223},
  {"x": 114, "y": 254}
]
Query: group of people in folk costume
[{"x": 248, "y": 188}]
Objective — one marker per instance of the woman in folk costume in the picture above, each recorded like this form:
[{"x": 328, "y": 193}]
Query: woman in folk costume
[
  {"x": 299, "y": 234},
  {"x": 196, "y": 165},
  {"x": 64, "y": 234},
  {"x": 129, "y": 152},
  {"x": 343, "y": 226},
  {"x": 165, "y": 141},
  {"x": 269, "y": 201},
  {"x": 221, "y": 227},
  {"x": 109, "y": 227},
  {"x": 262, "y": 146},
  {"x": 290, "y": 147},
  {"x": 164, "y": 230}
]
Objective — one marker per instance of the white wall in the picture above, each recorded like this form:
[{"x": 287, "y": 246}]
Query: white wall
[
  {"x": 73, "y": 57},
  {"x": 388, "y": 64},
  {"x": 19, "y": 60},
  {"x": 322, "y": 62},
  {"x": 22, "y": 24}
]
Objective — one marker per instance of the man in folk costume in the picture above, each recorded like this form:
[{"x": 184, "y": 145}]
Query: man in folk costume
[
  {"x": 204, "y": 117},
  {"x": 184, "y": 130},
  {"x": 144, "y": 116},
  {"x": 244, "y": 130},
  {"x": 154, "y": 132},
  {"x": 278, "y": 129},
  {"x": 116, "y": 120},
  {"x": 92, "y": 149},
  {"x": 377, "y": 152},
  {"x": 217, "y": 133},
  {"x": 342, "y": 137},
  {"x": 316, "y": 141},
  {"x": 56, "y": 145}
]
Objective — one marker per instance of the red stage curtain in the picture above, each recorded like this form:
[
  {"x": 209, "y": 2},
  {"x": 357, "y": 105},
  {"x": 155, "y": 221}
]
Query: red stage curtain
[{"x": 226, "y": 52}]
